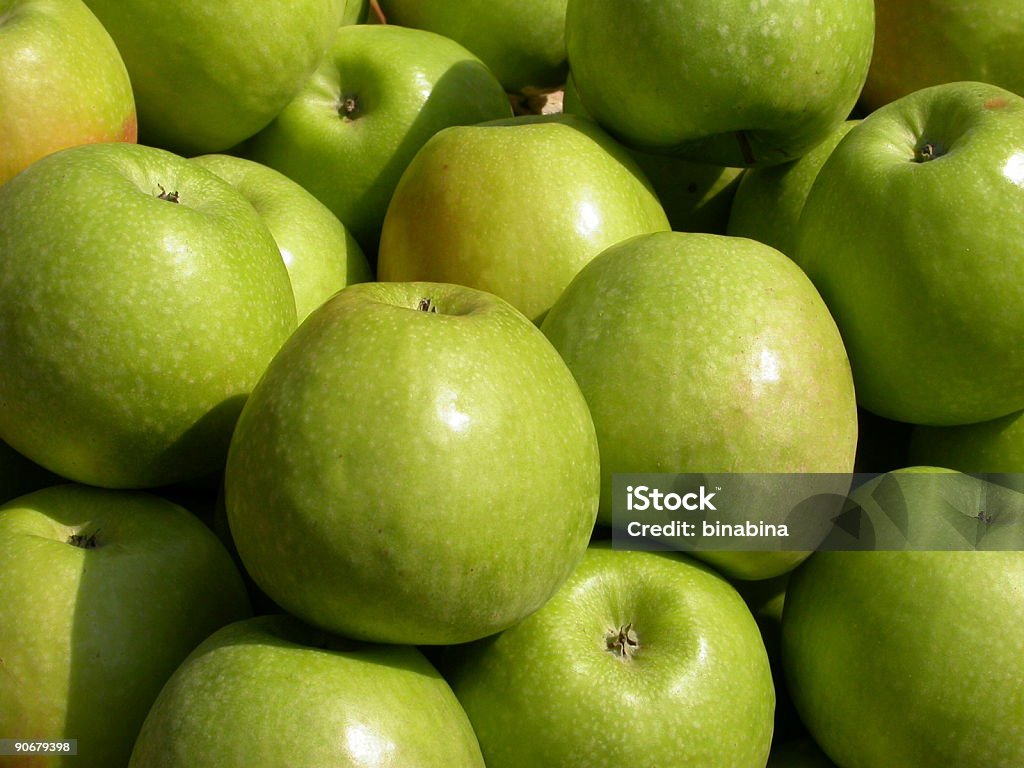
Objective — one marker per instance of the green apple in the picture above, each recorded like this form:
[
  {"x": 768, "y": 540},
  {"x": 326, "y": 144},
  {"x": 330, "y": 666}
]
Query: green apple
[
  {"x": 62, "y": 82},
  {"x": 320, "y": 254},
  {"x": 463, "y": 213},
  {"x": 768, "y": 201},
  {"x": 378, "y": 95},
  {"x": 731, "y": 82},
  {"x": 209, "y": 75},
  {"x": 933, "y": 508},
  {"x": 909, "y": 659},
  {"x": 988, "y": 446},
  {"x": 641, "y": 659},
  {"x": 920, "y": 44},
  {"x": 19, "y": 476},
  {"x": 705, "y": 353},
  {"x": 102, "y": 595},
  {"x": 355, "y": 12},
  {"x": 912, "y": 234},
  {"x": 696, "y": 197},
  {"x": 140, "y": 300},
  {"x": 416, "y": 466},
  {"x": 270, "y": 692},
  {"x": 523, "y": 43}
]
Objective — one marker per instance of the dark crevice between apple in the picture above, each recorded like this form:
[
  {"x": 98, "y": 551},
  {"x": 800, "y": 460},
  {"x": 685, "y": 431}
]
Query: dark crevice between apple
[
  {"x": 84, "y": 540},
  {"x": 927, "y": 151},
  {"x": 348, "y": 107},
  {"x": 623, "y": 642},
  {"x": 746, "y": 151},
  {"x": 171, "y": 197}
]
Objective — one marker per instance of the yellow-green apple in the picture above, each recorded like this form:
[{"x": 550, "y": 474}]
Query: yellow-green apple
[
  {"x": 696, "y": 197},
  {"x": 416, "y": 466},
  {"x": 720, "y": 81},
  {"x": 141, "y": 297},
  {"x": 909, "y": 658},
  {"x": 271, "y": 691},
  {"x": 515, "y": 207},
  {"x": 768, "y": 201},
  {"x": 703, "y": 353},
  {"x": 932, "y": 508},
  {"x": 208, "y": 75},
  {"x": 521, "y": 42},
  {"x": 102, "y": 595},
  {"x": 995, "y": 446},
  {"x": 929, "y": 42},
  {"x": 355, "y": 12},
  {"x": 62, "y": 82},
  {"x": 376, "y": 98},
  {"x": 643, "y": 659},
  {"x": 321, "y": 255},
  {"x": 913, "y": 234}
]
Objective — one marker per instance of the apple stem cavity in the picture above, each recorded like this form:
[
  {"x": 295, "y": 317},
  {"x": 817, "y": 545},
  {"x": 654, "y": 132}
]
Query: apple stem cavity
[
  {"x": 623, "y": 642},
  {"x": 928, "y": 151},
  {"x": 171, "y": 197},
  {"x": 83, "y": 540}
]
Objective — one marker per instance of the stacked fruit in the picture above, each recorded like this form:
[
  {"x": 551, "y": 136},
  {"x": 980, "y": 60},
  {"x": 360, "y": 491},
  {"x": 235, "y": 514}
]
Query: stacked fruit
[{"x": 318, "y": 363}]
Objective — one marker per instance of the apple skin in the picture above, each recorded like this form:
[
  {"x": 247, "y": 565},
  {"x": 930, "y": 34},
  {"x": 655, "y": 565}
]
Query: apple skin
[
  {"x": 989, "y": 446},
  {"x": 321, "y": 255},
  {"x": 271, "y": 691},
  {"x": 920, "y": 262},
  {"x": 921, "y": 44},
  {"x": 62, "y": 82},
  {"x": 720, "y": 81},
  {"x": 381, "y": 432},
  {"x": 696, "y": 691},
  {"x": 207, "y": 76},
  {"x": 521, "y": 42},
  {"x": 768, "y": 201},
  {"x": 402, "y": 86},
  {"x": 705, "y": 353},
  {"x": 696, "y": 197},
  {"x": 463, "y": 214},
  {"x": 355, "y": 12},
  {"x": 91, "y": 633},
  {"x": 909, "y": 658},
  {"x": 132, "y": 327}
]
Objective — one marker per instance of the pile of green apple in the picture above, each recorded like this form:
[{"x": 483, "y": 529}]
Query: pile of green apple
[{"x": 318, "y": 358}]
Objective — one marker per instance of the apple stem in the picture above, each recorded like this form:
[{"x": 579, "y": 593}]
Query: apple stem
[
  {"x": 927, "y": 151},
  {"x": 623, "y": 642},
  {"x": 84, "y": 541},
  {"x": 171, "y": 197},
  {"x": 348, "y": 108}
]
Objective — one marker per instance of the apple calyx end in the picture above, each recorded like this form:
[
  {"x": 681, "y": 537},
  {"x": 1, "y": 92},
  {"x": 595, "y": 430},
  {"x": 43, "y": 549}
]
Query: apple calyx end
[
  {"x": 171, "y": 197},
  {"x": 83, "y": 540},
  {"x": 348, "y": 107},
  {"x": 426, "y": 305},
  {"x": 623, "y": 642},
  {"x": 928, "y": 151}
]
